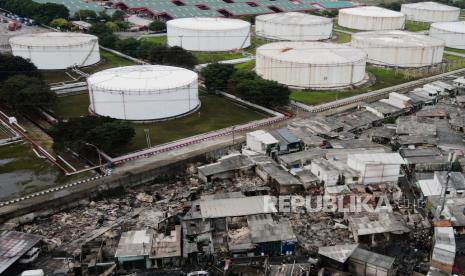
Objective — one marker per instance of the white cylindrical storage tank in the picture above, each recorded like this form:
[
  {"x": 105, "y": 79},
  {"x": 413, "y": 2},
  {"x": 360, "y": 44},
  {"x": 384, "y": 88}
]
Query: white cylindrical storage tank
[
  {"x": 453, "y": 33},
  {"x": 208, "y": 34},
  {"x": 293, "y": 26},
  {"x": 311, "y": 64},
  {"x": 430, "y": 12},
  {"x": 371, "y": 19},
  {"x": 57, "y": 50},
  {"x": 399, "y": 48},
  {"x": 143, "y": 92}
]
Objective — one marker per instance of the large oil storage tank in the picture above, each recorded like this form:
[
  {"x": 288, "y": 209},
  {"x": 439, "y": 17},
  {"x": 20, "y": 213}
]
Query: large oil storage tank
[
  {"x": 311, "y": 64},
  {"x": 453, "y": 33},
  {"x": 208, "y": 34},
  {"x": 57, "y": 50},
  {"x": 399, "y": 48},
  {"x": 371, "y": 18},
  {"x": 143, "y": 92},
  {"x": 430, "y": 12},
  {"x": 293, "y": 26}
]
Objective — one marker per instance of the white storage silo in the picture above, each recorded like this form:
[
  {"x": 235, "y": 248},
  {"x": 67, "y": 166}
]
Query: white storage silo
[
  {"x": 143, "y": 92},
  {"x": 57, "y": 50},
  {"x": 399, "y": 48},
  {"x": 430, "y": 12},
  {"x": 311, "y": 64},
  {"x": 371, "y": 19},
  {"x": 208, "y": 34},
  {"x": 293, "y": 26},
  {"x": 453, "y": 33}
]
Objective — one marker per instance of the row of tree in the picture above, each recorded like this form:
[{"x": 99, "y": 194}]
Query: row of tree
[
  {"x": 245, "y": 84},
  {"x": 42, "y": 13},
  {"x": 146, "y": 50}
]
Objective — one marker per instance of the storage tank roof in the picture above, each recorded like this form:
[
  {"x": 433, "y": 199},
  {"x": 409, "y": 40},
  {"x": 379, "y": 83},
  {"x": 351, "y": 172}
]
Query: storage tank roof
[
  {"x": 209, "y": 24},
  {"x": 456, "y": 27},
  {"x": 312, "y": 52},
  {"x": 142, "y": 78},
  {"x": 372, "y": 11},
  {"x": 397, "y": 38},
  {"x": 433, "y": 6},
  {"x": 52, "y": 39},
  {"x": 294, "y": 18}
]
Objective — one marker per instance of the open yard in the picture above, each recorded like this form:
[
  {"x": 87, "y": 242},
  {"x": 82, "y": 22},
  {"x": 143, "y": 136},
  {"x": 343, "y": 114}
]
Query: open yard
[
  {"x": 384, "y": 78},
  {"x": 108, "y": 60},
  {"x": 342, "y": 37},
  {"x": 216, "y": 112},
  {"x": 414, "y": 26},
  {"x": 155, "y": 39}
]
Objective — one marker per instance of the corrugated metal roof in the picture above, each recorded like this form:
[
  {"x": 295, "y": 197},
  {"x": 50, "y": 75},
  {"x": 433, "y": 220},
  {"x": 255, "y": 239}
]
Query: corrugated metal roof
[
  {"x": 236, "y": 207},
  {"x": 13, "y": 245},
  {"x": 339, "y": 253},
  {"x": 373, "y": 258}
]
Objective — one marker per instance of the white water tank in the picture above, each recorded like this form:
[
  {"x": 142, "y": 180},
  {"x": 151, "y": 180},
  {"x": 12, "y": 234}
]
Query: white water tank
[
  {"x": 311, "y": 64},
  {"x": 143, "y": 92},
  {"x": 399, "y": 48},
  {"x": 453, "y": 33},
  {"x": 430, "y": 12},
  {"x": 293, "y": 26},
  {"x": 208, "y": 34},
  {"x": 371, "y": 18},
  {"x": 57, "y": 50}
]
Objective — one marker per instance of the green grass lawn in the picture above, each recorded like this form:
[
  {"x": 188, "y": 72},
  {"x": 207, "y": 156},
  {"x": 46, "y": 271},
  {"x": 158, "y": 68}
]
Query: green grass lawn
[
  {"x": 156, "y": 39},
  {"x": 384, "y": 78},
  {"x": 71, "y": 106},
  {"x": 460, "y": 51},
  {"x": 416, "y": 26},
  {"x": 336, "y": 26},
  {"x": 255, "y": 42},
  {"x": 216, "y": 112},
  {"x": 108, "y": 60},
  {"x": 245, "y": 66},
  {"x": 455, "y": 62},
  {"x": 342, "y": 37},
  {"x": 210, "y": 57}
]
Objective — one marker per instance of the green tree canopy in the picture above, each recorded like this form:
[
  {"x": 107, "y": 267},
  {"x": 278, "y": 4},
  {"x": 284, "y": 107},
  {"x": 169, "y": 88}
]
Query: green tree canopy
[
  {"x": 85, "y": 15},
  {"x": 157, "y": 26},
  {"x": 60, "y": 23},
  {"x": 43, "y": 13},
  {"x": 12, "y": 65},
  {"x": 118, "y": 15},
  {"x": 24, "y": 94},
  {"x": 217, "y": 75}
]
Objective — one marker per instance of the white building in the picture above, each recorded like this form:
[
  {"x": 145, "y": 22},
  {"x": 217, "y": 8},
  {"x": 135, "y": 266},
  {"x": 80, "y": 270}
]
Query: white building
[
  {"x": 398, "y": 100},
  {"x": 437, "y": 185},
  {"x": 370, "y": 18},
  {"x": 311, "y": 64},
  {"x": 143, "y": 92},
  {"x": 208, "y": 34},
  {"x": 376, "y": 167},
  {"x": 294, "y": 26},
  {"x": 51, "y": 51},
  {"x": 430, "y": 12},
  {"x": 261, "y": 141},
  {"x": 399, "y": 48}
]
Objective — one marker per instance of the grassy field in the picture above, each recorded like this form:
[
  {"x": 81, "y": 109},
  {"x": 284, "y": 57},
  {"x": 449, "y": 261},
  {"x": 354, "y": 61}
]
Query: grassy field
[
  {"x": 460, "y": 51},
  {"x": 246, "y": 66},
  {"x": 216, "y": 112},
  {"x": 210, "y": 57},
  {"x": 108, "y": 60},
  {"x": 455, "y": 62},
  {"x": 337, "y": 27},
  {"x": 342, "y": 37},
  {"x": 71, "y": 106},
  {"x": 255, "y": 42},
  {"x": 156, "y": 39},
  {"x": 416, "y": 26},
  {"x": 384, "y": 78}
]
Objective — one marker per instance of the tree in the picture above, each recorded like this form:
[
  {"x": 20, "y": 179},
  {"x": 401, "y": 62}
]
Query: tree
[
  {"x": 122, "y": 25},
  {"x": 238, "y": 77},
  {"x": 100, "y": 29},
  {"x": 108, "y": 40},
  {"x": 118, "y": 15},
  {"x": 85, "y": 15},
  {"x": 392, "y": 5},
  {"x": 129, "y": 46},
  {"x": 24, "y": 94},
  {"x": 42, "y": 13},
  {"x": 456, "y": 166},
  {"x": 263, "y": 92},
  {"x": 103, "y": 132},
  {"x": 12, "y": 65},
  {"x": 157, "y": 26},
  {"x": 112, "y": 26},
  {"x": 60, "y": 23},
  {"x": 111, "y": 135},
  {"x": 175, "y": 56},
  {"x": 217, "y": 75}
]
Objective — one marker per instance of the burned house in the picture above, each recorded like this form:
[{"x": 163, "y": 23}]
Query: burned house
[
  {"x": 166, "y": 248},
  {"x": 227, "y": 167},
  {"x": 376, "y": 227},
  {"x": 134, "y": 250},
  {"x": 280, "y": 181},
  {"x": 367, "y": 263}
]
